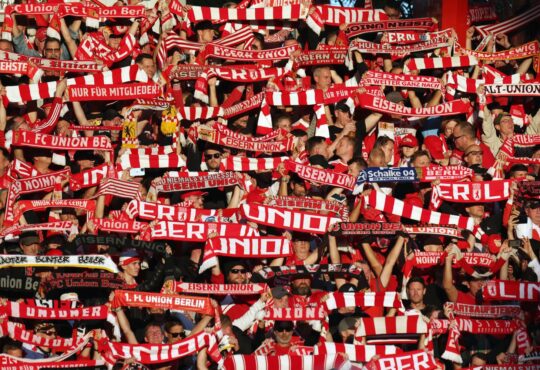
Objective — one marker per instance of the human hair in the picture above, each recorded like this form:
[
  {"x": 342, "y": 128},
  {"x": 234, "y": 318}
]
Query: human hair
[
  {"x": 171, "y": 324},
  {"x": 313, "y": 141},
  {"x": 466, "y": 129},
  {"x": 416, "y": 279},
  {"x": 151, "y": 324},
  {"x": 361, "y": 162},
  {"x": 382, "y": 141},
  {"x": 51, "y": 39},
  {"x": 318, "y": 70},
  {"x": 420, "y": 153},
  {"x": 142, "y": 57}
]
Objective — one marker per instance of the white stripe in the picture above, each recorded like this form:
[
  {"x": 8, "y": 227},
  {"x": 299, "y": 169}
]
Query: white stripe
[
  {"x": 287, "y": 12},
  {"x": 108, "y": 78},
  {"x": 453, "y": 220},
  {"x": 369, "y": 299},
  {"x": 398, "y": 208},
  {"x": 416, "y": 213},
  {"x": 284, "y": 363},
  {"x": 435, "y": 218},
  {"x": 124, "y": 73},
  {"x": 294, "y": 98}
]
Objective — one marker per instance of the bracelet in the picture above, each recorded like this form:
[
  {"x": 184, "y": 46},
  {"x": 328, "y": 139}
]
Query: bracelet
[{"x": 117, "y": 309}]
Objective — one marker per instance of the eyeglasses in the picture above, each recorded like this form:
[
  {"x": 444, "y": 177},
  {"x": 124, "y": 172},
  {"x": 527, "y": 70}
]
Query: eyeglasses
[
  {"x": 176, "y": 335},
  {"x": 238, "y": 271},
  {"x": 210, "y": 156},
  {"x": 52, "y": 50},
  {"x": 281, "y": 330}
]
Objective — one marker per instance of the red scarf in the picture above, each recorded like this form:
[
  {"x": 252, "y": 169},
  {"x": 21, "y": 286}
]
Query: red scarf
[
  {"x": 363, "y": 299},
  {"x": 414, "y": 360},
  {"x": 215, "y": 289},
  {"x": 504, "y": 290},
  {"x": 321, "y": 176},
  {"x": 129, "y": 298},
  {"x": 114, "y": 92},
  {"x": 25, "y": 311},
  {"x": 195, "y": 231},
  {"x": 357, "y": 352},
  {"x": 37, "y": 140},
  {"x": 194, "y": 180}
]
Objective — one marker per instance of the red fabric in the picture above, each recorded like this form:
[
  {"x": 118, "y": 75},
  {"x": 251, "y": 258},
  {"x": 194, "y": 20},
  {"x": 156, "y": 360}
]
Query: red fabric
[{"x": 466, "y": 298}]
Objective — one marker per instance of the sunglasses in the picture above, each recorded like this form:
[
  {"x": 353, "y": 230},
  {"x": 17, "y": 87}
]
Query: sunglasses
[
  {"x": 176, "y": 335},
  {"x": 281, "y": 330},
  {"x": 214, "y": 156},
  {"x": 238, "y": 271}
]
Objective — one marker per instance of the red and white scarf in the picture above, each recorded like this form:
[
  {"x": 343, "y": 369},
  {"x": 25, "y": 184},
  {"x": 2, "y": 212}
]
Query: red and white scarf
[
  {"x": 60, "y": 226},
  {"x": 156, "y": 211},
  {"x": 363, "y": 299},
  {"x": 244, "y": 164},
  {"x": 465, "y": 261},
  {"x": 88, "y": 178},
  {"x": 18, "y": 64},
  {"x": 391, "y": 205},
  {"x": 121, "y": 226},
  {"x": 195, "y": 231},
  {"x": 321, "y": 176},
  {"x": 285, "y": 362},
  {"x": 487, "y": 312},
  {"x": 245, "y": 247},
  {"x": 229, "y": 53},
  {"x": 171, "y": 160},
  {"x": 510, "y": 24},
  {"x": 433, "y": 230},
  {"x": 119, "y": 188},
  {"x": 244, "y": 143},
  {"x": 25, "y": 311},
  {"x": 215, "y": 289},
  {"x": 377, "y": 104},
  {"x": 416, "y": 24},
  {"x": 37, "y": 140},
  {"x": 114, "y": 92},
  {"x": 295, "y": 313},
  {"x": 130, "y": 298},
  {"x": 476, "y": 326},
  {"x": 505, "y": 290},
  {"x": 195, "y": 180},
  {"x": 400, "y": 80},
  {"x": 18, "y": 332},
  {"x": 414, "y": 324},
  {"x": 286, "y": 219},
  {"x": 439, "y": 63},
  {"x": 364, "y": 46},
  {"x": 311, "y": 204},
  {"x": 471, "y": 192},
  {"x": 356, "y": 352},
  {"x": 289, "y": 12},
  {"x": 420, "y": 359}
]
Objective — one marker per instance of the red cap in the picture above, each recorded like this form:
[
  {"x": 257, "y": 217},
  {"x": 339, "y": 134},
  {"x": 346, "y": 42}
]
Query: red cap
[
  {"x": 41, "y": 33},
  {"x": 409, "y": 140},
  {"x": 434, "y": 146},
  {"x": 54, "y": 252},
  {"x": 196, "y": 193},
  {"x": 494, "y": 242}
]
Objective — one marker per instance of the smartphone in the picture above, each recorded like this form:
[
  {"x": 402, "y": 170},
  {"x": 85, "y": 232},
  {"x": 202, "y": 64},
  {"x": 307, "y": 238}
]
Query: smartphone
[
  {"x": 516, "y": 244},
  {"x": 135, "y": 172}
]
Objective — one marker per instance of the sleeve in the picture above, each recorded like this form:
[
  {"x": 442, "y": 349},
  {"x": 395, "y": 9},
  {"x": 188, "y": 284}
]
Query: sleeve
[
  {"x": 246, "y": 320},
  {"x": 21, "y": 47},
  {"x": 489, "y": 134},
  {"x": 47, "y": 125},
  {"x": 534, "y": 126},
  {"x": 217, "y": 279}
]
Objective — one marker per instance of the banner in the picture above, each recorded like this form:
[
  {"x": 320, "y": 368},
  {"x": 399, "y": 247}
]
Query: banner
[
  {"x": 114, "y": 92},
  {"x": 37, "y": 140},
  {"x": 89, "y": 261},
  {"x": 25, "y": 311},
  {"x": 84, "y": 280},
  {"x": 505, "y": 290},
  {"x": 129, "y": 298},
  {"x": 321, "y": 176}
]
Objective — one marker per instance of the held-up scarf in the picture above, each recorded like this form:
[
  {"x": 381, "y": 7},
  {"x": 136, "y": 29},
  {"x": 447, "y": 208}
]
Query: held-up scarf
[
  {"x": 414, "y": 360},
  {"x": 25, "y": 311},
  {"x": 433, "y": 230},
  {"x": 369, "y": 326},
  {"x": 244, "y": 164},
  {"x": 400, "y": 80},
  {"x": 439, "y": 63},
  {"x": 417, "y": 24},
  {"x": 487, "y": 312},
  {"x": 156, "y": 211},
  {"x": 114, "y": 92},
  {"x": 471, "y": 192},
  {"x": 289, "y": 12},
  {"x": 530, "y": 49},
  {"x": 195, "y": 180},
  {"x": 18, "y": 63},
  {"x": 83, "y": 261},
  {"x": 311, "y": 204},
  {"x": 505, "y": 290},
  {"x": 246, "y": 247},
  {"x": 286, "y": 362},
  {"x": 119, "y": 188},
  {"x": 23, "y": 93},
  {"x": 33, "y": 205},
  {"x": 129, "y": 298},
  {"x": 195, "y": 231},
  {"x": 119, "y": 226},
  {"x": 391, "y": 205},
  {"x": 83, "y": 240},
  {"x": 171, "y": 160},
  {"x": 320, "y": 57},
  {"x": 510, "y": 24},
  {"x": 244, "y": 143},
  {"x": 37, "y": 140},
  {"x": 321, "y": 176},
  {"x": 363, "y": 299},
  {"x": 270, "y": 272},
  {"x": 468, "y": 260},
  {"x": 367, "y": 228},
  {"x": 82, "y": 280},
  {"x": 295, "y": 313},
  {"x": 356, "y": 352},
  {"x": 520, "y": 89},
  {"x": 228, "y": 53},
  {"x": 364, "y": 46},
  {"x": 377, "y": 104},
  {"x": 433, "y": 172},
  {"x": 88, "y": 178},
  {"x": 17, "y": 332},
  {"x": 15, "y": 230},
  {"x": 476, "y": 326},
  {"x": 215, "y": 289},
  {"x": 158, "y": 353},
  {"x": 287, "y": 219}
]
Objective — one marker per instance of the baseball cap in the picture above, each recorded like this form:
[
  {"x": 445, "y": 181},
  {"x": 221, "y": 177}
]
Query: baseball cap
[
  {"x": 279, "y": 292},
  {"x": 409, "y": 141},
  {"x": 29, "y": 238},
  {"x": 128, "y": 257}
]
